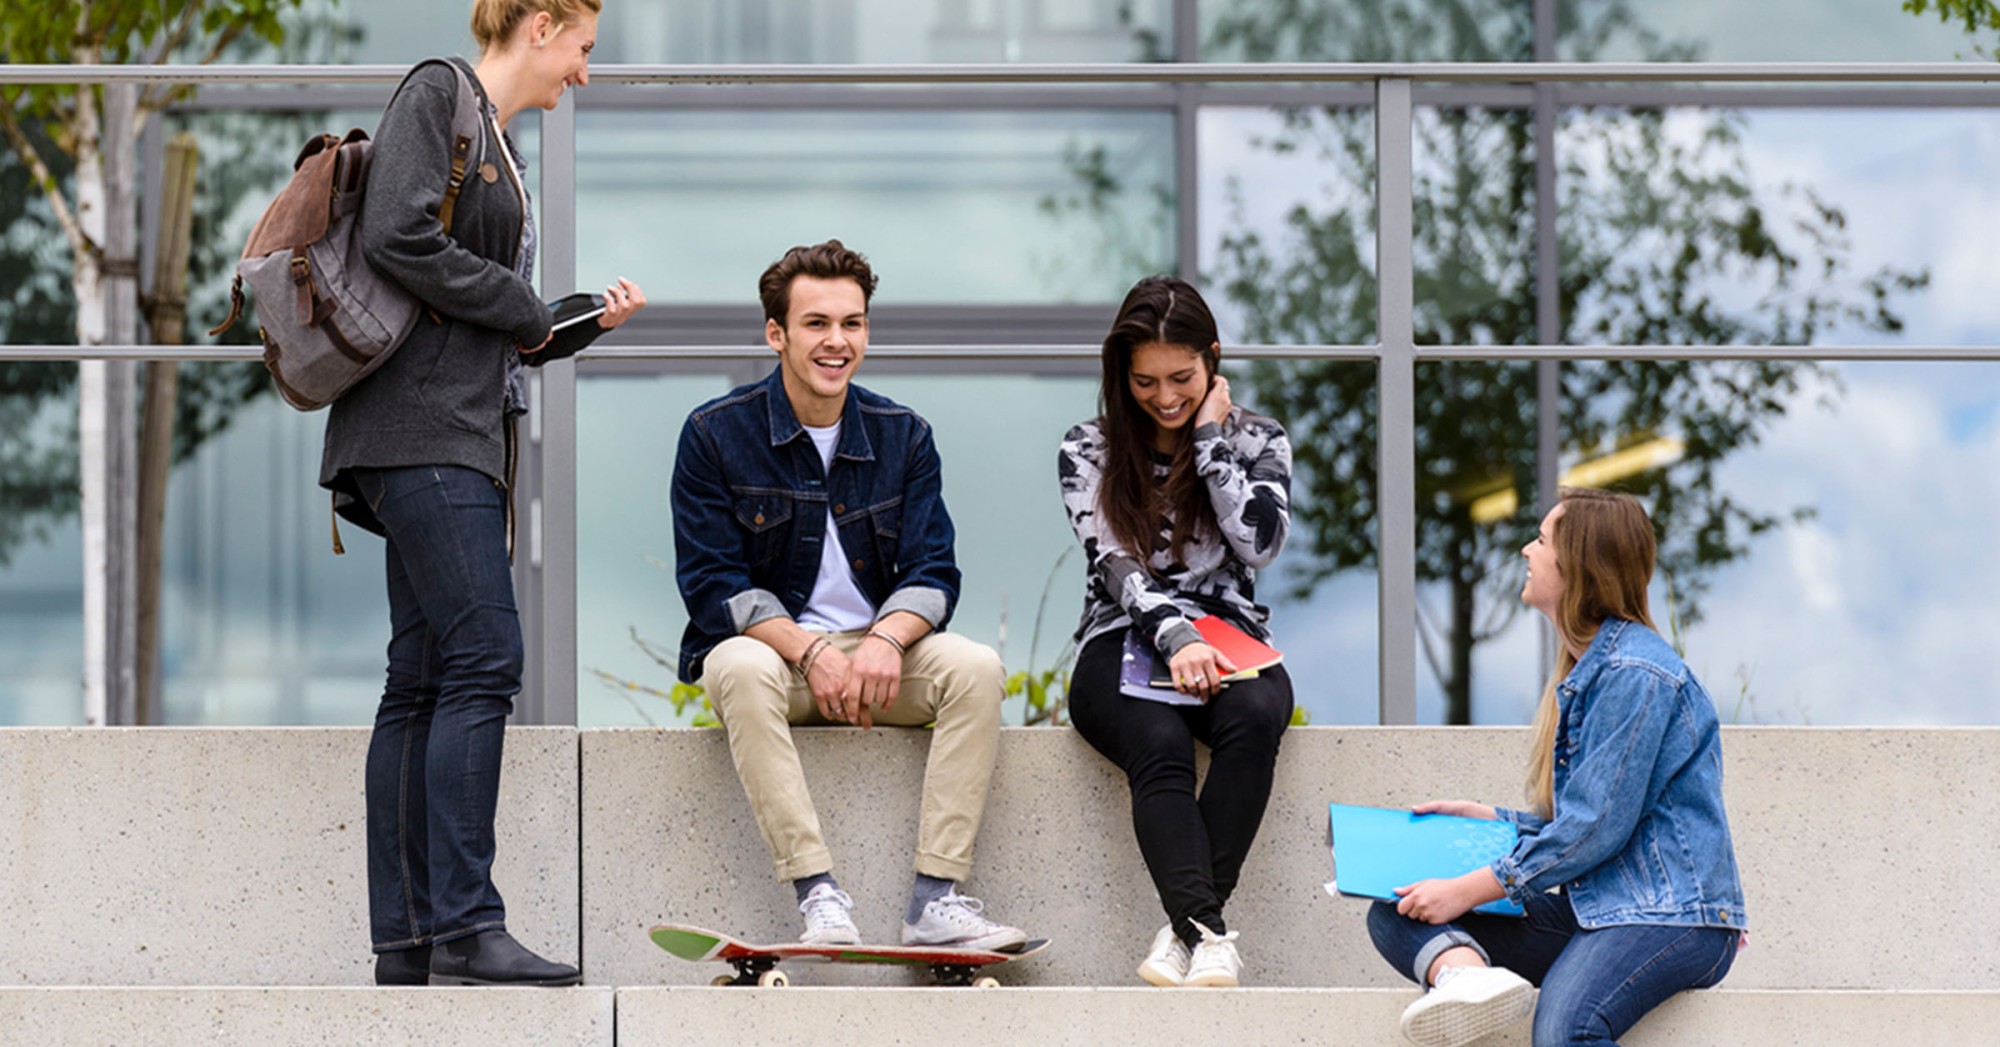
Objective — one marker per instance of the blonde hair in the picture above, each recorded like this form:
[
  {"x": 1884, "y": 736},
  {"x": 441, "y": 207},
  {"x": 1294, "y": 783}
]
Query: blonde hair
[
  {"x": 1604, "y": 551},
  {"x": 493, "y": 21}
]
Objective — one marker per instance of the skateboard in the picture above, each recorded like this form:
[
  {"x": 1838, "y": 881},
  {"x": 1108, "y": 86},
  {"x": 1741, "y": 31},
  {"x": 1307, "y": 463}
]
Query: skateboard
[{"x": 758, "y": 964}]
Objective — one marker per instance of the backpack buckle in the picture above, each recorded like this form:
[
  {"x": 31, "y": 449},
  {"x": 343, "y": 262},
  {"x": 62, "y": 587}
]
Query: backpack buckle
[{"x": 301, "y": 268}]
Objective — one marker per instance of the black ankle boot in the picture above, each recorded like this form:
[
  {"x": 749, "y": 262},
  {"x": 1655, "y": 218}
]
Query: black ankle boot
[
  {"x": 411, "y": 966},
  {"x": 495, "y": 958}
]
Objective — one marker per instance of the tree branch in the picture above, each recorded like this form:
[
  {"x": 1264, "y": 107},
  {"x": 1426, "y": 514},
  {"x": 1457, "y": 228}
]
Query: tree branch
[
  {"x": 228, "y": 37},
  {"x": 39, "y": 170}
]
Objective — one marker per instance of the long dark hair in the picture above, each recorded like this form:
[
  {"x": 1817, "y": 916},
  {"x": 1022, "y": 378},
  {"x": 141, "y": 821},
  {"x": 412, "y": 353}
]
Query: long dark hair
[{"x": 1158, "y": 310}]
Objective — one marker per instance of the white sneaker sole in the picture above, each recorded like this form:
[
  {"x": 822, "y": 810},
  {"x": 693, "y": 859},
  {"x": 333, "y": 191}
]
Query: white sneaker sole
[
  {"x": 831, "y": 938},
  {"x": 999, "y": 941},
  {"x": 1456, "y": 1022},
  {"x": 1212, "y": 980},
  {"x": 1160, "y": 974}
]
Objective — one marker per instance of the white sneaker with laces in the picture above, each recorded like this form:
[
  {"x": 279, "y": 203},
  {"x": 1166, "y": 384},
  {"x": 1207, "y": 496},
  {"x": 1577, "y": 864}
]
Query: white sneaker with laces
[
  {"x": 829, "y": 920},
  {"x": 1466, "y": 1004},
  {"x": 1215, "y": 962},
  {"x": 957, "y": 920},
  {"x": 1167, "y": 961}
]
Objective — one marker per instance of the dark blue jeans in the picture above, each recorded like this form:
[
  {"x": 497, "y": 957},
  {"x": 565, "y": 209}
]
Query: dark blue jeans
[
  {"x": 455, "y": 657},
  {"x": 1595, "y": 984}
]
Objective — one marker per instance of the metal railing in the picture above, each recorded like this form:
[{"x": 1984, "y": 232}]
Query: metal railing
[{"x": 1395, "y": 352}]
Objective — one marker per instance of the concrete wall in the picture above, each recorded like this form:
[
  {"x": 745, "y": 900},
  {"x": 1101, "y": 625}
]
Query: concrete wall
[
  {"x": 1834, "y": 829},
  {"x": 173, "y": 856},
  {"x": 235, "y": 857}
]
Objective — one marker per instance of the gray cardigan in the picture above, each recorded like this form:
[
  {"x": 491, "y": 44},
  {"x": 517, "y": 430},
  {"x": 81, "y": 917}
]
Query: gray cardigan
[{"x": 440, "y": 400}]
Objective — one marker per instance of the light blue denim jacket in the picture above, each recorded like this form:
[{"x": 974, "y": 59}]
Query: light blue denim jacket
[{"x": 1639, "y": 834}]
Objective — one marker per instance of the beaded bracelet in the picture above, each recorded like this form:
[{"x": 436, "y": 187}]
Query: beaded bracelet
[{"x": 890, "y": 640}]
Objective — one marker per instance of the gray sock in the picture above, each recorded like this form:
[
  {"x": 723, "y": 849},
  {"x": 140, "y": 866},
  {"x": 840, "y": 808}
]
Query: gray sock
[
  {"x": 805, "y": 884},
  {"x": 924, "y": 891}
]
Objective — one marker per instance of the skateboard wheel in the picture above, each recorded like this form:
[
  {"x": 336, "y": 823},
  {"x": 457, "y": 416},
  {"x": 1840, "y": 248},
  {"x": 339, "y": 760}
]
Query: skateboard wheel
[
  {"x": 723, "y": 979},
  {"x": 987, "y": 982},
  {"x": 774, "y": 979}
]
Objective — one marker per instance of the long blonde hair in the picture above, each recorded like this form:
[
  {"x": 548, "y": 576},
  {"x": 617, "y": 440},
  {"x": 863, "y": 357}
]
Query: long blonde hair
[{"x": 1604, "y": 551}]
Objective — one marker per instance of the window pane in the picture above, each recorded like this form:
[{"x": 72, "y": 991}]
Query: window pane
[
  {"x": 1771, "y": 31},
  {"x": 1878, "y": 563},
  {"x": 985, "y": 207},
  {"x": 1353, "y": 31},
  {"x": 1013, "y": 541},
  {"x": 41, "y": 544},
  {"x": 261, "y": 623},
  {"x": 765, "y": 31}
]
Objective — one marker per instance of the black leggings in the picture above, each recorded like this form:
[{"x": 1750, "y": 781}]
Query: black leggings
[{"x": 1194, "y": 848}]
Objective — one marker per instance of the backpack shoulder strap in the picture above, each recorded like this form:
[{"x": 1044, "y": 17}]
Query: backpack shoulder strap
[{"x": 468, "y": 136}]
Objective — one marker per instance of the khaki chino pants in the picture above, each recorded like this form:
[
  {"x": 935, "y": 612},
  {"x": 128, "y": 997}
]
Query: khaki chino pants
[{"x": 946, "y": 678}]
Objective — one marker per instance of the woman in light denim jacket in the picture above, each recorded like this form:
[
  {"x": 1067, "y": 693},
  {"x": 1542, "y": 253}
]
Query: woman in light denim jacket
[{"x": 1625, "y": 866}]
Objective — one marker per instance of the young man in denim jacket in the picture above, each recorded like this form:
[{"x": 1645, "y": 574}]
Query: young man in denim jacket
[{"x": 814, "y": 554}]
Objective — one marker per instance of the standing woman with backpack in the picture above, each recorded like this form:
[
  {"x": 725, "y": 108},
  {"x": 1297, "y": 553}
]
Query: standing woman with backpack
[{"x": 422, "y": 453}]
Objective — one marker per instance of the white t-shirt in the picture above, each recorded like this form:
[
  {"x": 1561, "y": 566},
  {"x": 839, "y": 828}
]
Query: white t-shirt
[{"x": 837, "y": 604}]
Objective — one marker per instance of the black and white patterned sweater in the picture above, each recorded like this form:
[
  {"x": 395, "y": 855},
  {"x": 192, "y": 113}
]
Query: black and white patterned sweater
[{"x": 1247, "y": 465}]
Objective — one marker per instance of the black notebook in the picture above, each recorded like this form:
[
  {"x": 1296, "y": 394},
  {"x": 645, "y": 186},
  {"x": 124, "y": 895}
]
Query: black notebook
[{"x": 575, "y": 328}]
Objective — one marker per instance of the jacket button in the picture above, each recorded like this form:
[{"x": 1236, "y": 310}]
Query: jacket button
[
  {"x": 857, "y": 565},
  {"x": 759, "y": 519},
  {"x": 839, "y": 508}
]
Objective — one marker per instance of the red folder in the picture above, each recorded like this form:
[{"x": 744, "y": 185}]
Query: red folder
[{"x": 1243, "y": 651}]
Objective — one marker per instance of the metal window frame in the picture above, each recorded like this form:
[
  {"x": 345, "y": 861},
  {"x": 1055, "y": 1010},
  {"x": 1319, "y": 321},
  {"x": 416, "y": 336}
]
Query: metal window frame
[{"x": 1184, "y": 88}]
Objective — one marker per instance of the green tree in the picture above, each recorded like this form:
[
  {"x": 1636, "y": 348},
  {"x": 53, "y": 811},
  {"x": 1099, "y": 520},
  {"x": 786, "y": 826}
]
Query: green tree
[
  {"x": 1975, "y": 16},
  {"x": 1665, "y": 238}
]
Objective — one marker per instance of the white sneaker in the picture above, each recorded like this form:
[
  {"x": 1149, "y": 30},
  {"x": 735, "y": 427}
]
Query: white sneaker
[
  {"x": 828, "y": 916},
  {"x": 956, "y": 920},
  {"x": 1467, "y": 1003},
  {"x": 1167, "y": 961},
  {"x": 1215, "y": 961}
]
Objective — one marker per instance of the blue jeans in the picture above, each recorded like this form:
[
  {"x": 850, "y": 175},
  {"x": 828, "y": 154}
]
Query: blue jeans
[
  {"x": 455, "y": 656},
  {"x": 1595, "y": 984}
]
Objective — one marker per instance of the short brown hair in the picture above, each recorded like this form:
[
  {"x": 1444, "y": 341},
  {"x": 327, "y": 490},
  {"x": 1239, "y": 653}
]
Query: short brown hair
[{"x": 828, "y": 261}]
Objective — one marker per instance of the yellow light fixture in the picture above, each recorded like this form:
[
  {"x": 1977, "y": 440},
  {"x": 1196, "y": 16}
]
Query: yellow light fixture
[{"x": 1633, "y": 460}]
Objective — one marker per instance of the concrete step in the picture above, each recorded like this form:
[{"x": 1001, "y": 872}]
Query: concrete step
[
  {"x": 169, "y": 856},
  {"x": 928, "y": 1017},
  {"x": 1266, "y": 1017},
  {"x": 196, "y": 856},
  {"x": 1826, "y": 820},
  {"x": 203, "y": 1017}
]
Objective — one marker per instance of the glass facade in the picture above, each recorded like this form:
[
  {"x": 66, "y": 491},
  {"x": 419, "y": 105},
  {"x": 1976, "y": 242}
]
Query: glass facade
[
  {"x": 951, "y": 207},
  {"x": 1845, "y": 500}
]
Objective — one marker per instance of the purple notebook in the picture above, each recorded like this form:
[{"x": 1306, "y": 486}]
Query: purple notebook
[{"x": 1140, "y": 668}]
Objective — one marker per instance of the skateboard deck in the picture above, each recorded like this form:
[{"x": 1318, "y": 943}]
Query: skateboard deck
[{"x": 758, "y": 964}]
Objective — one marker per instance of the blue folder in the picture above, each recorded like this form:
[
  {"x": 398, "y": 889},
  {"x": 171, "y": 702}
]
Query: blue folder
[{"x": 1378, "y": 849}]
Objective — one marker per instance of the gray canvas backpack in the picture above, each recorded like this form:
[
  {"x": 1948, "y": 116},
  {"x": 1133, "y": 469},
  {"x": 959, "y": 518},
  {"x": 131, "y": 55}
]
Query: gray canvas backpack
[{"x": 327, "y": 318}]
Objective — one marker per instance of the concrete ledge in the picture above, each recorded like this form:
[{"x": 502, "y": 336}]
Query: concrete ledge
[
  {"x": 378, "y": 1017},
  {"x": 1349, "y": 1017},
  {"x": 1825, "y": 819},
  {"x": 173, "y": 856}
]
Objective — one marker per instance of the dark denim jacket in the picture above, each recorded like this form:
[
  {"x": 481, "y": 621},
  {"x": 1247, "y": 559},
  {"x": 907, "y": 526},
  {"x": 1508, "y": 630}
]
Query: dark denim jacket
[
  {"x": 750, "y": 500},
  {"x": 1640, "y": 835}
]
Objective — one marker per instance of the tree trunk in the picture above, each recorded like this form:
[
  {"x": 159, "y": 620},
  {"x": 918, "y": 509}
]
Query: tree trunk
[
  {"x": 1458, "y": 687},
  {"x": 167, "y": 313}
]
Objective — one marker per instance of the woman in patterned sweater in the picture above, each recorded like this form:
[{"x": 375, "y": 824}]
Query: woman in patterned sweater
[{"x": 1178, "y": 498}]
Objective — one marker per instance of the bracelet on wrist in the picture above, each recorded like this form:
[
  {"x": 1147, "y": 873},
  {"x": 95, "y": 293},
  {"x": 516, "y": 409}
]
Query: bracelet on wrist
[
  {"x": 890, "y": 640},
  {"x": 812, "y": 653}
]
